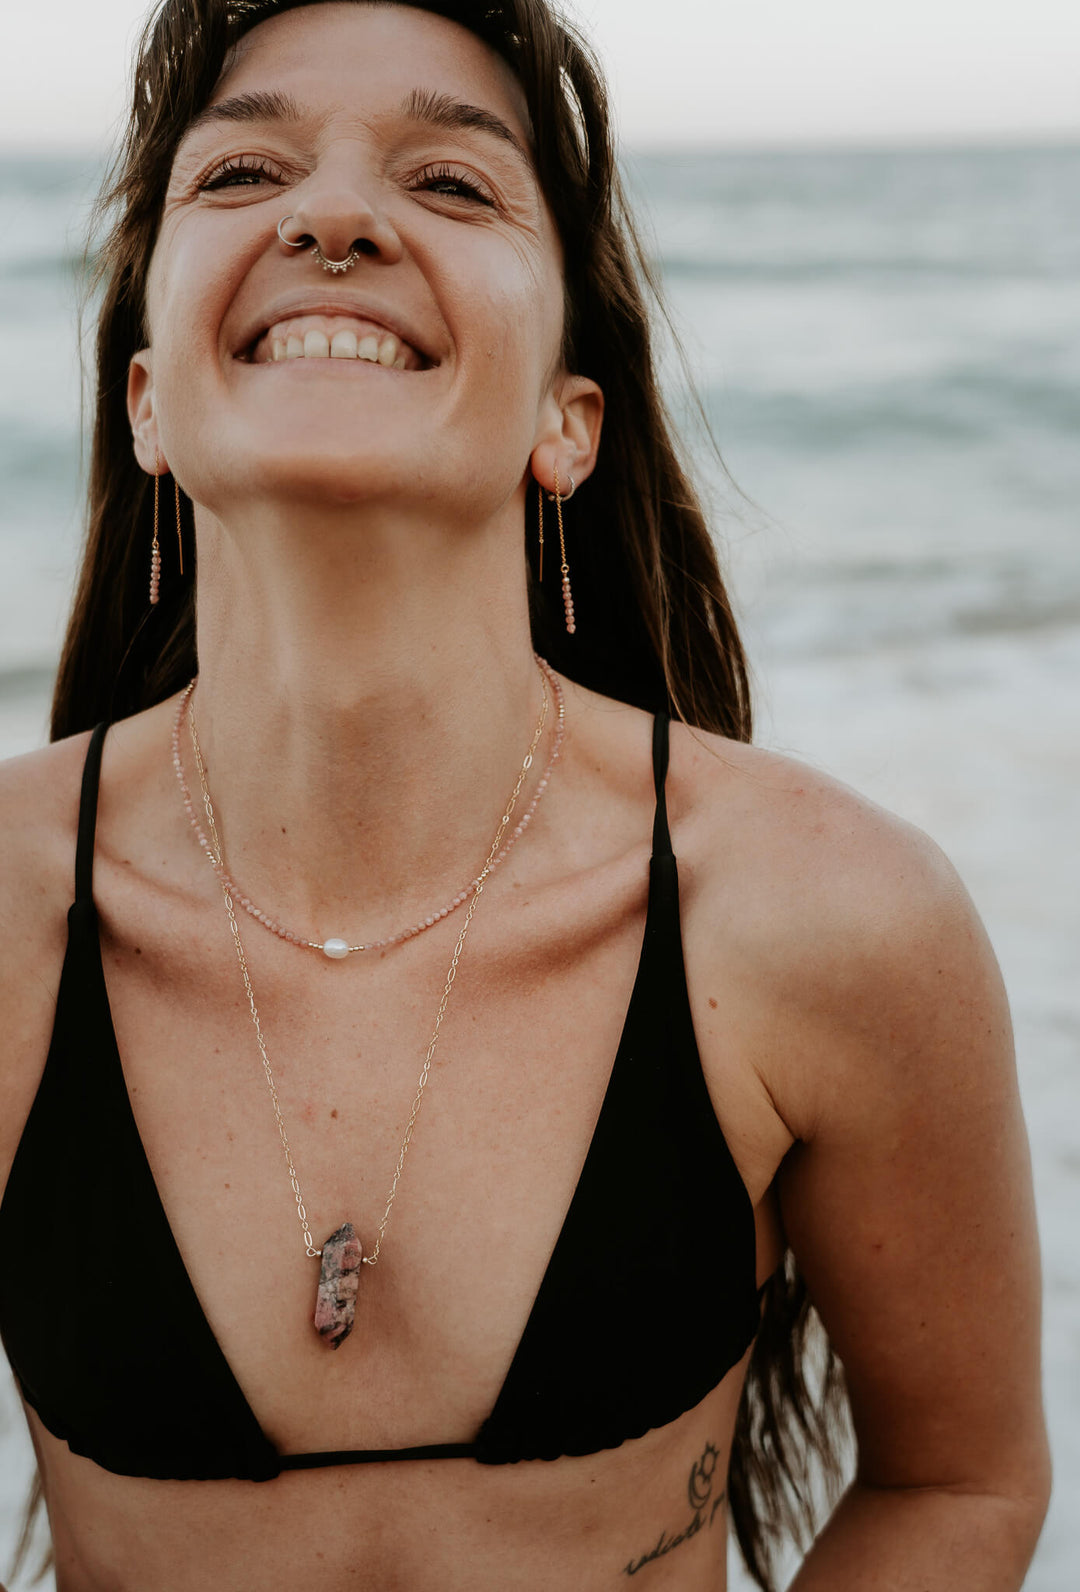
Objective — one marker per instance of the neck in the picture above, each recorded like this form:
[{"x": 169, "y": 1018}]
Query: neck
[{"x": 366, "y": 696}]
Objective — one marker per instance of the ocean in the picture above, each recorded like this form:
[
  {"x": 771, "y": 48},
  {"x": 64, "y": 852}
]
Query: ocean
[{"x": 887, "y": 349}]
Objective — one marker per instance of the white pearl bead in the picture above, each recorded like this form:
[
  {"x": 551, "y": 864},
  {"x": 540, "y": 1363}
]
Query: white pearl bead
[{"x": 335, "y": 949}]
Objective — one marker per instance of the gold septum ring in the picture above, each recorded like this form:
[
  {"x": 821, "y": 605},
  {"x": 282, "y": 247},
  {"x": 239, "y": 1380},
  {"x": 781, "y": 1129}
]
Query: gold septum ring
[{"x": 336, "y": 266}]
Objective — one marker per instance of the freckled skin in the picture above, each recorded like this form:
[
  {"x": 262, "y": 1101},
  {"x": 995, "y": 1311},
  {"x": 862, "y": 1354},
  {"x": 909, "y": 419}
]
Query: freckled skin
[{"x": 365, "y": 673}]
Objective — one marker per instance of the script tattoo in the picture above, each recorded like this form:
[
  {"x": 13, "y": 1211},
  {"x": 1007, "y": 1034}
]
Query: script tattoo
[{"x": 704, "y": 1501}]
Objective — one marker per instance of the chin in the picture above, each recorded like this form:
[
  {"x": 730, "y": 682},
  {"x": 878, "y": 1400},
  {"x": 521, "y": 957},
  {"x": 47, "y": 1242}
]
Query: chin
[{"x": 301, "y": 459}]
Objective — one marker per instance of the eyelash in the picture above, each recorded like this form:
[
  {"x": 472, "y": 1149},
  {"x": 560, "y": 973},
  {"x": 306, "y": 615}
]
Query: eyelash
[
  {"x": 470, "y": 186},
  {"x": 250, "y": 168},
  {"x": 236, "y": 165}
]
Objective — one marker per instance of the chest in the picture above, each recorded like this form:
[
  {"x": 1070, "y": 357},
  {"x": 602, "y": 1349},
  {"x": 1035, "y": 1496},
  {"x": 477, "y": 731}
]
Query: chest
[{"x": 505, "y": 1123}]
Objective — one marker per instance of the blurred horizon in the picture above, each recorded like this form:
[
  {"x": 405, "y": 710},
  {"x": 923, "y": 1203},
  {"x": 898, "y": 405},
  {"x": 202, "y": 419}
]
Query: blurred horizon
[{"x": 990, "y": 143}]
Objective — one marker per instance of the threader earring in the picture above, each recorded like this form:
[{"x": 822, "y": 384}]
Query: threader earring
[
  {"x": 179, "y": 529},
  {"x": 155, "y": 546},
  {"x": 568, "y": 600}
]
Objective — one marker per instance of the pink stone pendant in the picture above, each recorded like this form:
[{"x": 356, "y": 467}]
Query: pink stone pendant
[{"x": 339, "y": 1281}]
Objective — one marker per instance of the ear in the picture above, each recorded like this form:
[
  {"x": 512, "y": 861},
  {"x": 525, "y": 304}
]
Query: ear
[
  {"x": 568, "y": 435},
  {"x": 140, "y": 408}
]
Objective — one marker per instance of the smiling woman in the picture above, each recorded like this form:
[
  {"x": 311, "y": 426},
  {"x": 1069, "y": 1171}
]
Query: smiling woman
[{"x": 442, "y": 1161}]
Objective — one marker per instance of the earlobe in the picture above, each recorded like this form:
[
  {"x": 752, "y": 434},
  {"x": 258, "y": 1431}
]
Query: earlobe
[{"x": 140, "y": 408}]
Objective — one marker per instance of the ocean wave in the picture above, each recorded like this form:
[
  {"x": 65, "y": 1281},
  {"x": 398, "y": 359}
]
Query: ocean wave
[
  {"x": 859, "y": 608},
  {"x": 958, "y": 406},
  {"x": 38, "y": 460},
  {"x": 26, "y": 681},
  {"x": 877, "y": 270},
  {"x": 65, "y": 267}
]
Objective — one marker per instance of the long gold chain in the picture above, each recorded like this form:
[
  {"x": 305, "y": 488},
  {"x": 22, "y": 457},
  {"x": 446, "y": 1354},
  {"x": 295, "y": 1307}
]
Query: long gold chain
[{"x": 309, "y": 1243}]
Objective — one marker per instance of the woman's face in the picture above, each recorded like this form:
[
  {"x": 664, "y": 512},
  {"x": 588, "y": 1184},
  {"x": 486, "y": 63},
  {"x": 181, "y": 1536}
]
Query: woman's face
[{"x": 398, "y": 132}]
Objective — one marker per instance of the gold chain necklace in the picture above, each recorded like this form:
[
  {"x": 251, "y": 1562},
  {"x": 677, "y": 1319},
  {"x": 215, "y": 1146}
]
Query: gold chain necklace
[
  {"x": 342, "y": 1254},
  {"x": 334, "y": 946}
]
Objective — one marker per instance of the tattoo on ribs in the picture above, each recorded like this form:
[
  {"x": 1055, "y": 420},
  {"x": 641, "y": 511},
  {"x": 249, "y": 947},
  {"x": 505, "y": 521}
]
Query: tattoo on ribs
[{"x": 704, "y": 1502}]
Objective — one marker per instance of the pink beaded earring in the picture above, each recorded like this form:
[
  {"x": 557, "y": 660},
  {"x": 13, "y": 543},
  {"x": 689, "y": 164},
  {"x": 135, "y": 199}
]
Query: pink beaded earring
[
  {"x": 568, "y": 600},
  {"x": 155, "y": 546}
]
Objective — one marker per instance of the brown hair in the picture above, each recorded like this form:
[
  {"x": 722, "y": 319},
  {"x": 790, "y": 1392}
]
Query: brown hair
[{"x": 655, "y": 625}]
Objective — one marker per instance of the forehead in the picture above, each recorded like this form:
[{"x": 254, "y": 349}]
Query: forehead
[{"x": 358, "y": 56}]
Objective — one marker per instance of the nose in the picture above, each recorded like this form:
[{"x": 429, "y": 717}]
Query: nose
[{"x": 343, "y": 225}]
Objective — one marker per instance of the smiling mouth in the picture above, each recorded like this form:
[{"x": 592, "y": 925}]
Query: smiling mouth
[{"x": 339, "y": 337}]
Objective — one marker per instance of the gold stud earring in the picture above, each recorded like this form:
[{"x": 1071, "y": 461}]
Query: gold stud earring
[
  {"x": 568, "y": 600},
  {"x": 155, "y": 547}
]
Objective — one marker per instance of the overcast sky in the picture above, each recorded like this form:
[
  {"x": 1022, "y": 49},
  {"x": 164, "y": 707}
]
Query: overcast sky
[{"x": 684, "y": 71}]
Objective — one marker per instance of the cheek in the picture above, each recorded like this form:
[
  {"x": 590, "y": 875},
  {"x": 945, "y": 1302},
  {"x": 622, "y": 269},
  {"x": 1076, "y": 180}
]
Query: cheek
[
  {"x": 508, "y": 314},
  {"x": 189, "y": 289}
]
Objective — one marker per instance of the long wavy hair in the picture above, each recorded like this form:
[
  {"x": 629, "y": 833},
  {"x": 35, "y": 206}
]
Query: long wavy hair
[{"x": 655, "y": 625}]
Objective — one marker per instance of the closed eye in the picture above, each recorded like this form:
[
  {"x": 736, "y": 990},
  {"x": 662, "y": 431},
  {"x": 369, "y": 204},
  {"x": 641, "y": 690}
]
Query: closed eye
[
  {"x": 450, "y": 182},
  {"x": 239, "y": 171}
]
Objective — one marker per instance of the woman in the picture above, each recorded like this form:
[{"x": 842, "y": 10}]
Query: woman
[{"x": 366, "y": 1261}]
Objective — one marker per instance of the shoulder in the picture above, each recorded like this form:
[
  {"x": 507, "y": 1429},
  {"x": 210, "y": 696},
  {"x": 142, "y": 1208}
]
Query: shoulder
[
  {"x": 846, "y": 930},
  {"x": 39, "y": 806},
  {"x": 827, "y": 854}
]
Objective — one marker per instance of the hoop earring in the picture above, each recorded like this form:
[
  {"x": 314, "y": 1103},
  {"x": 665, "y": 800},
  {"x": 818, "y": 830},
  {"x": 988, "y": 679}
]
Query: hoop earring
[
  {"x": 567, "y": 595},
  {"x": 155, "y": 546}
]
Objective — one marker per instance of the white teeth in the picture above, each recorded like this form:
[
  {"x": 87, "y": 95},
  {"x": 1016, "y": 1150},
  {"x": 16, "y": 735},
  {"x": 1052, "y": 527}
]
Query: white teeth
[
  {"x": 343, "y": 345},
  {"x": 377, "y": 348}
]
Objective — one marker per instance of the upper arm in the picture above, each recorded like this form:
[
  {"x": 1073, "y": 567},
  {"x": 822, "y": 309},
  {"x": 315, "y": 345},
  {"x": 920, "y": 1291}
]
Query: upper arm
[
  {"x": 855, "y": 1033},
  {"x": 907, "y": 1195}
]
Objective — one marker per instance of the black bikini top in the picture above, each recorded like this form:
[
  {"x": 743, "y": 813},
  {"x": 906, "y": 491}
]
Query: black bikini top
[{"x": 647, "y": 1302}]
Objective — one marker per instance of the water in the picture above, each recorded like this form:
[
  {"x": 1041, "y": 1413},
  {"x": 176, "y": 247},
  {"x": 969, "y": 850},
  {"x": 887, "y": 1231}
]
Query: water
[{"x": 888, "y": 347}]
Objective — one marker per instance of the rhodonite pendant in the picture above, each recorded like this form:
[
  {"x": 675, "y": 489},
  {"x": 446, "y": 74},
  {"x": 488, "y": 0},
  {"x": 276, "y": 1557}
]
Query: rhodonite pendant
[{"x": 339, "y": 1281}]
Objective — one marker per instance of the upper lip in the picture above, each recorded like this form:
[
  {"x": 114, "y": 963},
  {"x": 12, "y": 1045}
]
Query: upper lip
[{"x": 362, "y": 309}]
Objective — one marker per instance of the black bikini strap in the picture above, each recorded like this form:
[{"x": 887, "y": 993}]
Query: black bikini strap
[
  {"x": 84, "y": 846},
  {"x": 377, "y": 1456},
  {"x": 661, "y": 839}
]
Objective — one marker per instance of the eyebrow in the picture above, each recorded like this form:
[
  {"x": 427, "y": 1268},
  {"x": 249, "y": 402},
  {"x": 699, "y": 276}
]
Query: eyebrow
[
  {"x": 259, "y": 105},
  {"x": 422, "y": 105},
  {"x": 443, "y": 110}
]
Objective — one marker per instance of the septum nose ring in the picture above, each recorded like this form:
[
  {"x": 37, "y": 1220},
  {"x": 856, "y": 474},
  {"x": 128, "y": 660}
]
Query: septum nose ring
[{"x": 336, "y": 266}]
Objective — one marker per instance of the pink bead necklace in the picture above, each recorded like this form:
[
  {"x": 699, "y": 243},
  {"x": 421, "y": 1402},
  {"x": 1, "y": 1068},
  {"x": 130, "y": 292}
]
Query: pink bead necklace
[{"x": 335, "y": 947}]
